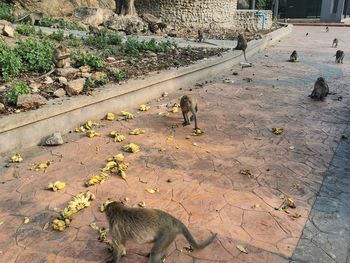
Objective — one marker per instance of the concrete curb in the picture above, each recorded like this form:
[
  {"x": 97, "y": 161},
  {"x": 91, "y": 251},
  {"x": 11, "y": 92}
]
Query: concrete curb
[{"x": 18, "y": 131}]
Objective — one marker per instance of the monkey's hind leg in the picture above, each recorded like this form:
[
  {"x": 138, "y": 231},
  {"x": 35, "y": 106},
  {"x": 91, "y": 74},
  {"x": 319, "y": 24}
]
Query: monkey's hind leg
[
  {"x": 186, "y": 120},
  {"x": 158, "y": 251},
  {"x": 194, "y": 116},
  {"x": 196, "y": 109},
  {"x": 245, "y": 56},
  {"x": 119, "y": 250}
]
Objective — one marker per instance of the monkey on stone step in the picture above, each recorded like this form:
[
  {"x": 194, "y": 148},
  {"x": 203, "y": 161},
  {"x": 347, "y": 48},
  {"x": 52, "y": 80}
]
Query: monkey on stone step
[
  {"x": 327, "y": 29},
  {"x": 200, "y": 37},
  {"x": 339, "y": 56},
  {"x": 189, "y": 104},
  {"x": 242, "y": 44},
  {"x": 145, "y": 225},
  {"x": 294, "y": 56},
  {"x": 162, "y": 26},
  {"x": 321, "y": 89},
  {"x": 335, "y": 42},
  {"x": 61, "y": 56}
]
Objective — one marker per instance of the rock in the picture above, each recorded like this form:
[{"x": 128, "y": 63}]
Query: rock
[
  {"x": 5, "y": 23},
  {"x": 128, "y": 24},
  {"x": 76, "y": 86},
  {"x": 110, "y": 59},
  {"x": 93, "y": 16},
  {"x": 65, "y": 72},
  {"x": 59, "y": 93},
  {"x": 150, "y": 19},
  {"x": 48, "y": 80},
  {"x": 86, "y": 75},
  {"x": 63, "y": 80},
  {"x": 29, "y": 101},
  {"x": 35, "y": 87},
  {"x": 2, "y": 107},
  {"x": 54, "y": 139},
  {"x": 2, "y": 87},
  {"x": 8, "y": 31}
]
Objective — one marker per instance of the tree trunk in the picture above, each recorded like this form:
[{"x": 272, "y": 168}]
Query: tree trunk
[{"x": 125, "y": 7}]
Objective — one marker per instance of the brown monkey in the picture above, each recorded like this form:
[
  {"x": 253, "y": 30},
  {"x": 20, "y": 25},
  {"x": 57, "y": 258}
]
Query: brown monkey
[
  {"x": 94, "y": 30},
  {"x": 321, "y": 89},
  {"x": 61, "y": 56},
  {"x": 327, "y": 29},
  {"x": 339, "y": 56},
  {"x": 242, "y": 44},
  {"x": 335, "y": 42},
  {"x": 33, "y": 18},
  {"x": 153, "y": 27},
  {"x": 162, "y": 26},
  {"x": 146, "y": 226},
  {"x": 294, "y": 56},
  {"x": 189, "y": 104},
  {"x": 200, "y": 37}
]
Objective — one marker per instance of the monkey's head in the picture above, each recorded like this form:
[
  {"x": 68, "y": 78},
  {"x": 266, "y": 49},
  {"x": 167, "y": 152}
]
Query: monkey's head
[
  {"x": 185, "y": 98},
  {"x": 113, "y": 207},
  {"x": 320, "y": 79}
]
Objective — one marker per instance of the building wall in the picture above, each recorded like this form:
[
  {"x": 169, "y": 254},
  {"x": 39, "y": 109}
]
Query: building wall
[
  {"x": 331, "y": 14},
  {"x": 203, "y": 13}
]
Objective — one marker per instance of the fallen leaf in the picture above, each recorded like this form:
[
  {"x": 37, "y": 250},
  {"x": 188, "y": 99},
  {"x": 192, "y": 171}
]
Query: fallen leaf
[{"x": 242, "y": 249}]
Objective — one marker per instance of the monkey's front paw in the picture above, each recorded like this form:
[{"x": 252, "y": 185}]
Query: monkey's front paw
[{"x": 185, "y": 123}]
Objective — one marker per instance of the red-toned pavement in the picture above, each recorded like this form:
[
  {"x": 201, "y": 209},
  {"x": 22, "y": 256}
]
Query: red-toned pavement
[{"x": 199, "y": 178}]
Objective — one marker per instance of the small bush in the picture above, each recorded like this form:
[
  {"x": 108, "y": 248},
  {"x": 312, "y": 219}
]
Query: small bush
[
  {"x": 46, "y": 21},
  {"x": 10, "y": 63},
  {"x": 25, "y": 29},
  {"x": 102, "y": 81},
  {"x": 57, "y": 35},
  {"x": 117, "y": 75},
  {"x": 103, "y": 40},
  {"x": 83, "y": 58},
  {"x": 36, "y": 55},
  {"x": 135, "y": 47},
  {"x": 18, "y": 88},
  {"x": 5, "y": 12}
]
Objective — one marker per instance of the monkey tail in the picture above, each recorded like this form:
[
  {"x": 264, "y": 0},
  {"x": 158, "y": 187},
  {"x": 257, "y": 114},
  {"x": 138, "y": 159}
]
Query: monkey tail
[{"x": 187, "y": 234}]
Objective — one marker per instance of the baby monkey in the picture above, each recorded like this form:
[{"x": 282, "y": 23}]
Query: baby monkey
[
  {"x": 242, "y": 44},
  {"x": 339, "y": 56},
  {"x": 146, "y": 226},
  {"x": 321, "y": 89},
  {"x": 189, "y": 104},
  {"x": 294, "y": 56},
  {"x": 61, "y": 56},
  {"x": 327, "y": 29},
  {"x": 335, "y": 42}
]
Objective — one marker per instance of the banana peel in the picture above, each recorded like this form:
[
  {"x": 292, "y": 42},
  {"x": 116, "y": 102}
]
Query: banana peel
[
  {"x": 92, "y": 133},
  {"x": 17, "y": 158},
  {"x": 174, "y": 109},
  {"x": 58, "y": 185},
  {"x": 60, "y": 225},
  {"x": 144, "y": 107},
  {"x": 277, "y": 131},
  {"x": 26, "y": 220},
  {"x": 131, "y": 147},
  {"x": 141, "y": 204},
  {"x": 110, "y": 116},
  {"x": 136, "y": 131},
  {"x": 117, "y": 136},
  {"x": 78, "y": 203},
  {"x": 41, "y": 166},
  {"x": 104, "y": 205},
  {"x": 247, "y": 172},
  {"x": 165, "y": 94},
  {"x": 152, "y": 190},
  {"x": 126, "y": 115},
  {"x": 97, "y": 179},
  {"x": 197, "y": 132}
]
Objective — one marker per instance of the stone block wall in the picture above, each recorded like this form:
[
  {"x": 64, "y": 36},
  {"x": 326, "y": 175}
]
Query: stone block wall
[{"x": 204, "y": 14}]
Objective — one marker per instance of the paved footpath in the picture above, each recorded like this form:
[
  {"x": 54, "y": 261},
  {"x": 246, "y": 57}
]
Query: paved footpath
[{"x": 199, "y": 178}]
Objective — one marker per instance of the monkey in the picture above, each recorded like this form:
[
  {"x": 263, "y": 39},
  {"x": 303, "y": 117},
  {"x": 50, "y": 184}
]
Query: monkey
[
  {"x": 339, "y": 56},
  {"x": 335, "y": 42},
  {"x": 153, "y": 27},
  {"x": 327, "y": 29},
  {"x": 242, "y": 44},
  {"x": 200, "y": 36},
  {"x": 189, "y": 104},
  {"x": 321, "y": 89},
  {"x": 61, "y": 56},
  {"x": 294, "y": 56},
  {"x": 145, "y": 225},
  {"x": 94, "y": 30},
  {"x": 162, "y": 26},
  {"x": 33, "y": 18},
  {"x": 306, "y": 34}
]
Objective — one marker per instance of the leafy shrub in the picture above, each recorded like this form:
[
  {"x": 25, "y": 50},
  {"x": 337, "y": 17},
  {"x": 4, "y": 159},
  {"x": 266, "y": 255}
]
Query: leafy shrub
[
  {"x": 18, "y": 88},
  {"x": 25, "y": 29},
  {"x": 102, "y": 81},
  {"x": 57, "y": 35},
  {"x": 10, "y": 63},
  {"x": 46, "y": 21},
  {"x": 83, "y": 58},
  {"x": 74, "y": 42},
  {"x": 117, "y": 75},
  {"x": 36, "y": 55},
  {"x": 103, "y": 40},
  {"x": 5, "y": 12},
  {"x": 134, "y": 47}
]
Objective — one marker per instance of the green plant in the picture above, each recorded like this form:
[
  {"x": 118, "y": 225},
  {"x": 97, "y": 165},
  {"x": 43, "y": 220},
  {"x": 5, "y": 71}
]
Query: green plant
[
  {"x": 25, "y": 29},
  {"x": 17, "y": 88},
  {"x": 36, "y": 55},
  {"x": 46, "y": 21},
  {"x": 134, "y": 47},
  {"x": 103, "y": 39},
  {"x": 5, "y": 12},
  {"x": 103, "y": 80},
  {"x": 57, "y": 35},
  {"x": 117, "y": 75},
  {"x": 10, "y": 63},
  {"x": 84, "y": 58}
]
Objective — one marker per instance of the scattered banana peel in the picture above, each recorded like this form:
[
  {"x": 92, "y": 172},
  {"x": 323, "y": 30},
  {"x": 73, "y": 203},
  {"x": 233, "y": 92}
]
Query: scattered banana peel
[
  {"x": 41, "y": 166},
  {"x": 277, "y": 131},
  {"x": 78, "y": 203},
  {"x": 117, "y": 136},
  {"x": 97, "y": 179},
  {"x": 162, "y": 113},
  {"x": 58, "y": 185},
  {"x": 26, "y": 220},
  {"x": 165, "y": 94},
  {"x": 126, "y": 115},
  {"x": 247, "y": 173},
  {"x": 136, "y": 131},
  {"x": 242, "y": 249},
  {"x": 104, "y": 205},
  {"x": 17, "y": 158},
  {"x": 131, "y": 147},
  {"x": 141, "y": 204},
  {"x": 188, "y": 249},
  {"x": 144, "y": 107},
  {"x": 110, "y": 116},
  {"x": 102, "y": 234},
  {"x": 152, "y": 190},
  {"x": 116, "y": 165},
  {"x": 287, "y": 203},
  {"x": 174, "y": 109},
  {"x": 92, "y": 133},
  {"x": 197, "y": 132}
]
